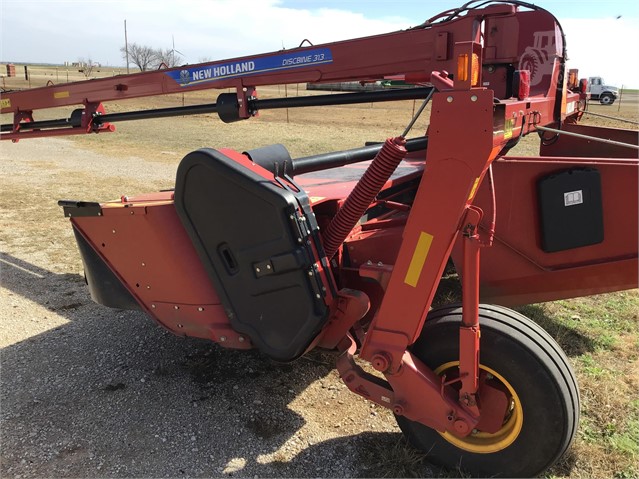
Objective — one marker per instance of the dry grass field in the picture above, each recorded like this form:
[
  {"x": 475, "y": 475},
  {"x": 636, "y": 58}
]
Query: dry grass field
[{"x": 93, "y": 392}]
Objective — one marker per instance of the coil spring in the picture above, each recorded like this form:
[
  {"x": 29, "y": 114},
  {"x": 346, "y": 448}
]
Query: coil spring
[{"x": 365, "y": 191}]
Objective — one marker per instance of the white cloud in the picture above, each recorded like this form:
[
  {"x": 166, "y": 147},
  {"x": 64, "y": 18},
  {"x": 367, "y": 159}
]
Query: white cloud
[
  {"x": 604, "y": 47},
  {"x": 59, "y": 31}
]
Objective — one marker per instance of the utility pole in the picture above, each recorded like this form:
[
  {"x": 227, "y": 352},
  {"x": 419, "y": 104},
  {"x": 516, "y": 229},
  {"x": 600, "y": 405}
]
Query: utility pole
[{"x": 126, "y": 48}]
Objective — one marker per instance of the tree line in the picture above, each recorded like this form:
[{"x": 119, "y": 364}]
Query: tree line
[{"x": 149, "y": 58}]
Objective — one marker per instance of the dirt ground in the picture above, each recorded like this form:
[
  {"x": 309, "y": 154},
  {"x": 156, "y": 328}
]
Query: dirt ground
[{"x": 89, "y": 391}]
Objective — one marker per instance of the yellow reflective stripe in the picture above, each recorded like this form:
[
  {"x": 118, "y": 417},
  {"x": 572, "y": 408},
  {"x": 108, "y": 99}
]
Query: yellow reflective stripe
[
  {"x": 419, "y": 258},
  {"x": 508, "y": 128},
  {"x": 5, "y": 103},
  {"x": 474, "y": 190},
  {"x": 61, "y": 94}
]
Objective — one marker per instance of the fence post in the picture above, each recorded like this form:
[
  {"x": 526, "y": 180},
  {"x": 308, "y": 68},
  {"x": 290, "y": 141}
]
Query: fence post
[{"x": 620, "y": 95}]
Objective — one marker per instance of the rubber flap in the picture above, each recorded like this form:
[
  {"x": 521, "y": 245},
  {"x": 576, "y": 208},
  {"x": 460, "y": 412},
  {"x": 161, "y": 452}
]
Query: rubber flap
[
  {"x": 254, "y": 244},
  {"x": 571, "y": 211}
]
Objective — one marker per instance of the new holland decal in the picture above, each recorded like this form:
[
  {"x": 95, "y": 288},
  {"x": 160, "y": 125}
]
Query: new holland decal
[{"x": 219, "y": 71}]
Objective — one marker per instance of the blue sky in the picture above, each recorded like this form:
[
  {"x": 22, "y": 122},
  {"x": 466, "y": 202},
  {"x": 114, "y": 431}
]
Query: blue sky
[{"x": 602, "y": 36}]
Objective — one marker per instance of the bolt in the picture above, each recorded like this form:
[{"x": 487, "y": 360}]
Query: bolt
[
  {"x": 475, "y": 431},
  {"x": 222, "y": 339},
  {"x": 318, "y": 296},
  {"x": 176, "y": 307},
  {"x": 461, "y": 426},
  {"x": 113, "y": 231},
  {"x": 143, "y": 264},
  {"x": 99, "y": 213},
  {"x": 489, "y": 376},
  {"x": 132, "y": 212},
  {"x": 180, "y": 325},
  {"x": 449, "y": 99},
  {"x": 379, "y": 263},
  {"x": 153, "y": 306},
  {"x": 268, "y": 266},
  {"x": 200, "y": 309},
  {"x": 241, "y": 339},
  {"x": 257, "y": 270},
  {"x": 398, "y": 409},
  {"x": 473, "y": 98},
  {"x": 148, "y": 287},
  {"x": 310, "y": 273},
  {"x": 380, "y": 362}
]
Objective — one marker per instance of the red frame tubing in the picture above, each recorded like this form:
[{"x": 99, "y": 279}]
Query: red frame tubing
[
  {"x": 455, "y": 169},
  {"x": 469, "y": 330}
]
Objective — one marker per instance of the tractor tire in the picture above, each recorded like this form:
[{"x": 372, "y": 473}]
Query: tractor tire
[
  {"x": 606, "y": 99},
  {"x": 544, "y": 413},
  {"x": 531, "y": 60}
]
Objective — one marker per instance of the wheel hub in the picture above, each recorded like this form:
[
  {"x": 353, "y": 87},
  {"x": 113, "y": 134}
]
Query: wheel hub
[{"x": 501, "y": 413}]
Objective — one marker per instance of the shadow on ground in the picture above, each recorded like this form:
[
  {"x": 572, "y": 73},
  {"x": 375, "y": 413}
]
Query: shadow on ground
[
  {"x": 573, "y": 342},
  {"x": 111, "y": 394}
]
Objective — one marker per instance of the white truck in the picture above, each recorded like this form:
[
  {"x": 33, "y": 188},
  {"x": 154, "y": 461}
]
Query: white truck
[{"x": 598, "y": 90}]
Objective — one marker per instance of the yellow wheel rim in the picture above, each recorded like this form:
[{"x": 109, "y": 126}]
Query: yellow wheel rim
[{"x": 483, "y": 442}]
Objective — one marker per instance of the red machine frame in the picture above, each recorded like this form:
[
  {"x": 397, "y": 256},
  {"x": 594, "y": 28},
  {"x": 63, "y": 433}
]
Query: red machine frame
[{"x": 464, "y": 58}]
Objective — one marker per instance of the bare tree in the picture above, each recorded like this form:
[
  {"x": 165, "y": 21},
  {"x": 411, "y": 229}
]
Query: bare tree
[
  {"x": 86, "y": 66},
  {"x": 142, "y": 56},
  {"x": 169, "y": 58}
]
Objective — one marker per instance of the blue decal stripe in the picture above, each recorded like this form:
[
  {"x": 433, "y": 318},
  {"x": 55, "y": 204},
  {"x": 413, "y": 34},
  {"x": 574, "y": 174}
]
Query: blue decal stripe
[
  {"x": 207, "y": 80},
  {"x": 250, "y": 66}
]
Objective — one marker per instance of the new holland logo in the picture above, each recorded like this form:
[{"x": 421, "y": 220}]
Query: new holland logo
[{"x": 185, "y": 77}]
